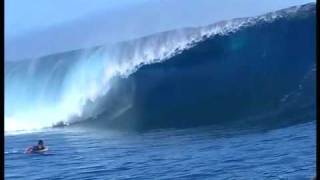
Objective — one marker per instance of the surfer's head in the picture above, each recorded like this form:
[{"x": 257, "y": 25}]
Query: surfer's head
[{"x": 40, "y": 142}]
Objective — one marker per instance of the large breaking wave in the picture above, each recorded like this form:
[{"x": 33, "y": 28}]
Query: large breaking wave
[{"x": 258, "y": 70}]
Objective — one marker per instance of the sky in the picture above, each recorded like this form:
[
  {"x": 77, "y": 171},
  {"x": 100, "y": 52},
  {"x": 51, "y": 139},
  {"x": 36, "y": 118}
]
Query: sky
[
  {"x": 24, "y": 16},
  {"x": 40, "y": 27}
]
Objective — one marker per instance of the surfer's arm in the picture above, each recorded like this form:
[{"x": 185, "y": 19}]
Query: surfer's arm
[{"x": 28, "y": 150}]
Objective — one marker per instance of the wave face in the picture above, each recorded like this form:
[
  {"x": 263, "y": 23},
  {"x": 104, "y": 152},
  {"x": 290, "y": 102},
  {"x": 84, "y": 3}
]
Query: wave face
[{"x": 258, "y": 70}]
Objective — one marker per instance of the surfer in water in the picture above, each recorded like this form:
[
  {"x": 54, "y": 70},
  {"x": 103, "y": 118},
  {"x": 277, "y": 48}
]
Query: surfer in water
[{"x": 38, "y": 148}]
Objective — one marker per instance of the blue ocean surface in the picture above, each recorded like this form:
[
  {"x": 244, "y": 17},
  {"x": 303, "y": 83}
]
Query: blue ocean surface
[{"x": 197, "y": 153}]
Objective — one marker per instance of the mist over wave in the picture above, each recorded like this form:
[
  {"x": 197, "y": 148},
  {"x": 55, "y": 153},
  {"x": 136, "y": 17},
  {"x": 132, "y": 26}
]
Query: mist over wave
[{"x": 259, "y": 70}]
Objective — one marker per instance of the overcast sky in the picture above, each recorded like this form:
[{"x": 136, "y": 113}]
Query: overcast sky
[{"x": 40, "y": 27}]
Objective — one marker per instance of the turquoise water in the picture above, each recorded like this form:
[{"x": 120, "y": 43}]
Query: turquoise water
[{"x": 197, "y": 153}]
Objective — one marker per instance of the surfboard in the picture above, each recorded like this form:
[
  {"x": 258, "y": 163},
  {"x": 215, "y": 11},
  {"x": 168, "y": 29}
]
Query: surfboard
[
  {"x": 42, "y": 151},
  {"x": 29, "y": 150}
]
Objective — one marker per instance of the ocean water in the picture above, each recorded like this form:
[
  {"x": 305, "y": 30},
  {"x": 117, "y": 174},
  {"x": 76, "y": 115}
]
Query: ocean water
[
  {"x": 231, "y": 100},
  {"x": 196, "y": 153}
]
